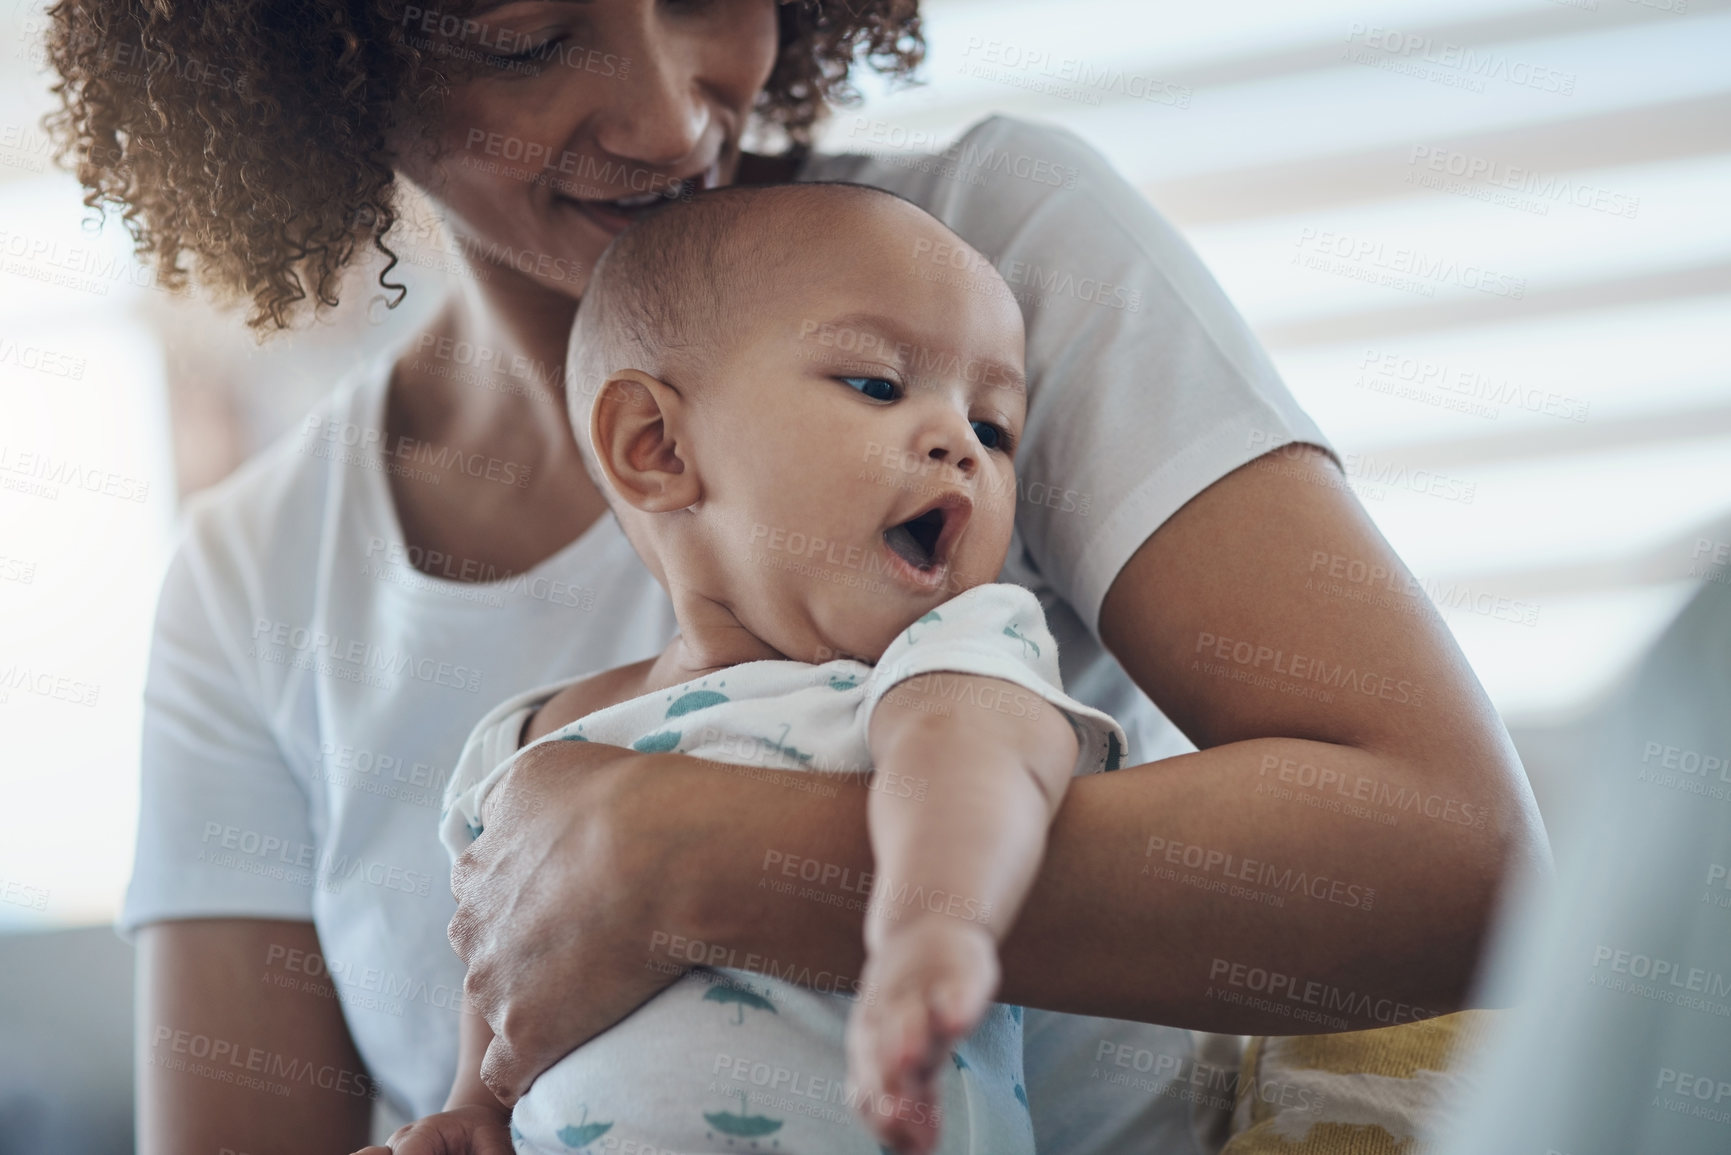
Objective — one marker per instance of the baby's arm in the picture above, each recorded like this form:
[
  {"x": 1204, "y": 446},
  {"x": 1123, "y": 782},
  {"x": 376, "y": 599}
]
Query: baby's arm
[
  {"x": 473, "y": 1122},
  {"x": 969, "y": 771},
  {"x": 467, "y": 1090}
]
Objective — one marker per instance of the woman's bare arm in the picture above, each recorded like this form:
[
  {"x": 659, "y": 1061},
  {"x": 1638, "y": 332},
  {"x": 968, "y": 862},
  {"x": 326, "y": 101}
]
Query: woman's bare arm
[
  {"x": 230, "y": 1013},
  {"x": 624, "y": 861}
]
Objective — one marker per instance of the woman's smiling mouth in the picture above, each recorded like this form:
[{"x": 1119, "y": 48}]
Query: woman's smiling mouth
[{"x": 616, "y": 214}]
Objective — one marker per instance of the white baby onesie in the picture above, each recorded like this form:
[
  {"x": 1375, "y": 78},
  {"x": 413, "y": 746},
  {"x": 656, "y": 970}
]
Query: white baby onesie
[{"x": 728, "y": 1060}]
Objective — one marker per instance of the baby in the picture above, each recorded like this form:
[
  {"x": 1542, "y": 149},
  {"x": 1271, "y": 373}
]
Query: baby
[{"x": 808, "y": 438}]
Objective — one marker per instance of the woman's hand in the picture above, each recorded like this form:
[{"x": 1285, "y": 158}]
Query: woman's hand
[
  {"x": 471, "y": 1130},
  {"x": 559, "y": 907}
]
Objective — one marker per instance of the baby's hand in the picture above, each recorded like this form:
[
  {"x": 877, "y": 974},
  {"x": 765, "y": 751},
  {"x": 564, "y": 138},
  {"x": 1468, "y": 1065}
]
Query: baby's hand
[
  {"x": 926, "y": 987},
  {"x": 469, "y": 1130}
]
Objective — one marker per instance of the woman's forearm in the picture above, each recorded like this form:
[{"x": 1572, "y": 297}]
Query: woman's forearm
[
  {"x": 234, "y": 1051},
  {"x": 1275, "y": 885}
]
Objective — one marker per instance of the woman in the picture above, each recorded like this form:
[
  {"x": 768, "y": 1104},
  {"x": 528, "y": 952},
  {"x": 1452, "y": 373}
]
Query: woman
[{"x": 343, "y": 609}]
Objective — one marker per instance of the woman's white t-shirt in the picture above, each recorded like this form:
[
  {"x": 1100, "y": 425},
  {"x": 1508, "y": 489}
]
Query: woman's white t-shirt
[{"x": 310, "y": 688}]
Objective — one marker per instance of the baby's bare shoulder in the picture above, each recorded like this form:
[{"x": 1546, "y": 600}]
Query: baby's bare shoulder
[{"x": 584, "y": 697}]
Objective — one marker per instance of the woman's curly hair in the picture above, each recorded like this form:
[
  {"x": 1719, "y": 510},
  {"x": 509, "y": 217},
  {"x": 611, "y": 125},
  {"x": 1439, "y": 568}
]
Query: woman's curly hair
[{"x": 250, "y": 135}]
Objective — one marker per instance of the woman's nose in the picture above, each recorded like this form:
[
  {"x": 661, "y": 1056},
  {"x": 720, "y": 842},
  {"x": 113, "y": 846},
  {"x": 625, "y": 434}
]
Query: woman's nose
[{"x": 657, "y": 115}]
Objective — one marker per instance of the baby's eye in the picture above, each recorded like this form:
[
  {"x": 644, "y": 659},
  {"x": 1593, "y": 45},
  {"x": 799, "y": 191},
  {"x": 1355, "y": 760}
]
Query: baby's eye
[
  {"x": 877, "y": 388},
  {"x": 990, "y": 435}
]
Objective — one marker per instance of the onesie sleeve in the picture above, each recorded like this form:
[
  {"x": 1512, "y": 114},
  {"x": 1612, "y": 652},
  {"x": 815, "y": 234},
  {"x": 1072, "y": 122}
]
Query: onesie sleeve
[
  {"x": 996, "y": 631},
  {"x": 491, "y": 748}
]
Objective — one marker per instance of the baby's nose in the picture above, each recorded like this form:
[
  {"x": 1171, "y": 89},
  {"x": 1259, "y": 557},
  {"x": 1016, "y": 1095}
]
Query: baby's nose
[{"x": 961, "y": 457}]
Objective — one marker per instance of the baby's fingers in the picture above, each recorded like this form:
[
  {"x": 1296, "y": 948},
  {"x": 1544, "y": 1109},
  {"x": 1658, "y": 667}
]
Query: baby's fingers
[
  {"x": 492, "y": 1141},
  {"x": 419, "y": 1138}
]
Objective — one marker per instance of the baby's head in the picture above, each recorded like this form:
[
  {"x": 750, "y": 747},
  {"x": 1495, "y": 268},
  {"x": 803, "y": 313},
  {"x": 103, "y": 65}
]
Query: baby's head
[{"x": 801, "y": 402}]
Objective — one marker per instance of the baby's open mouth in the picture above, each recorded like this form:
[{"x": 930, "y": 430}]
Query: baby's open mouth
[{"x": 915, "y": 541}]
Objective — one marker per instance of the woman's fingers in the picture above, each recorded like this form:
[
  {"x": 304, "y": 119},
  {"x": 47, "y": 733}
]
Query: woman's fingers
[{"x": 554, "y": 956}]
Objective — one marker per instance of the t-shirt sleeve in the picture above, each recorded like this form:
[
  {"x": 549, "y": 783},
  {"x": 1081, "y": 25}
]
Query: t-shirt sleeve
[
  {"x": 996, "y": 631},
  {"x": 223, "y": 826},
  {"x": 1146, "y": 385},
  {"x": 491, "y": 748}
]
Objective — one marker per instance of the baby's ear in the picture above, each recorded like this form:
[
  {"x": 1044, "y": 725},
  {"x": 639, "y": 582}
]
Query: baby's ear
[{"x": 633, "y": 427}]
